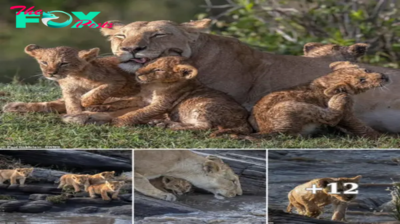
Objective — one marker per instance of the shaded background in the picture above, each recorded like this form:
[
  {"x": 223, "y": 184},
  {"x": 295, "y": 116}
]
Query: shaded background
[{"x": 278, "y": 26}]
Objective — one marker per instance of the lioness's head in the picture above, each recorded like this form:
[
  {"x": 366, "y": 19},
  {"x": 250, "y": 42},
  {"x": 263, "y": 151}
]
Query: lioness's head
[
  {"x": 139, "y": 42},
  {"x": 57, "y": 63},
  {"x": 218, "y": 178},
  {"x": 350, "y": 78},
  {"x": 176, "y": 185},
  {"x": 345, "y": 186},
  {"x": 81, "y": 179},
  {"x": 24, "y": 171},
  {"x": 166, "y": 70},
  {"x": 107, "y": 175},
  {"x": 335, "y": 51},
  {"x": 114, "y": 185}
]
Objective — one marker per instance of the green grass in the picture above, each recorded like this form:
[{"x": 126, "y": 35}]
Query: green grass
[{"x": 41, "y": 130}]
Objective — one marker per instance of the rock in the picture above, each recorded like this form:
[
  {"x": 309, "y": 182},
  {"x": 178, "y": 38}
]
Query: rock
[
  {"x": 96, "y": 201},
  {"x": 37, "y": 189},
  {"x": 12, "y": 206},
  {"x": 36, "y": 207},
  {"x": 87, "y": 210},
  {"x": 37, "y": 197},
  {"x": 279, "y": 216},
  {"x": 45, "y": 175},
  {"x": 126, "y": 197},
  {"x": 121, "y": 210}
]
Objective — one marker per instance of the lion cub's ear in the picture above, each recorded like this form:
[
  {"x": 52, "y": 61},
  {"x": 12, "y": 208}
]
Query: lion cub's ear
[
  {"x": 186, "y": 71},
  {"x": 310, "y": 46},
  {"x": 32, "y": 49},
  {"x": 323, "y": 182},
  {"x": 166, "y": 180},
  {"x": 198, "y": 25},
  {"x": 342, "y": 64},
  {"x": 356, "y": 178},
  {"x": 358, "y": 49},
  {"x": 117, "y": 25},
  {"x": 89, "y": 55}
]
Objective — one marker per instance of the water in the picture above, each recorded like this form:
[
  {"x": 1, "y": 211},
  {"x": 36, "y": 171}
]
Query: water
[
  {"x": 287, "y": 169},
  {"x": 65, "y": 218}
]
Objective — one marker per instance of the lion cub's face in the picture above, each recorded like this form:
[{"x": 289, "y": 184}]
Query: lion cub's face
[
  {"x": 107, "y": 175},
  {"x": 341, "y": 188},
  {"x": 176, "y": 185},
  {"x": 114, "y": 185},
  {"x": 166, "y": 70},
  {"x": 350, "y": 78},
  {"x": 81, "y": 179},
  {"x": 24, "y": 171},
  {"x": 57, "y": 63},
  {"x": 335, "y": 52}
]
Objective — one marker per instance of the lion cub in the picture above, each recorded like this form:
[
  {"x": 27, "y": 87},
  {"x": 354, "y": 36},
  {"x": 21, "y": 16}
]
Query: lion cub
[
  {"x": 101, "y": 177},
  {"x": 16, "y": 174},
  {"x": 85, "y": 79},
  {"x": 176, "y": 185},
  {"x": 170, "y": 86},
  {"x": 309, "y": 204},
  {"x": 324, "y": 101},
  {"x": 75, "y": 180},
  {"x": 105, "y": 188},
  {"x": 335, "y": 52}
]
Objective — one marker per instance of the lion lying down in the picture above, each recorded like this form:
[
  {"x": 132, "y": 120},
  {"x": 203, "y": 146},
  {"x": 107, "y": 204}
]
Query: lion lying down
[{"x": 209, "y": 173}]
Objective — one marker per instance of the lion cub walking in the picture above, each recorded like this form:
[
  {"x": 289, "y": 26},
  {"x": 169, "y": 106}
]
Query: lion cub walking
[
  {"x": 335, "y": 52},
  {"x": 16, "y": 174},
  {"x": 170, "y": 86},
  {"x": 324, "y": 101},
  {"x": 77, "y": 180},
  {"x": 85, "y": 79},
  {"x": 309, "y": 204},
  {"x": 103, "y": 189}
]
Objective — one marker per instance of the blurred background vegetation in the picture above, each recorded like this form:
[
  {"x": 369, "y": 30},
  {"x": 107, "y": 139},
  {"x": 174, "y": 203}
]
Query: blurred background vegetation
[{"x": 278, "y": 26}]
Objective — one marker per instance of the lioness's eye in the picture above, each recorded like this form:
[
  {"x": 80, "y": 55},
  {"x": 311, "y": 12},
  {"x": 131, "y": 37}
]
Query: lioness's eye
[
  {"x": 158, "y": 35},
  {"x": 362, "y": 80},
  {"x": 43, "y": 62},
  {"x": 120, "y": 36}
]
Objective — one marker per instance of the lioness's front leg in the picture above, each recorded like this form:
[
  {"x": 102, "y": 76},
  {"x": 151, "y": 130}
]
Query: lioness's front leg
[
  {"x": 339, "y": 211},
  {"x": 98, "y": 95},
  {"x": 76, "y": 187},
  {"x": 22, "y": 181},
  {"x": 141, "y": 116},
  {"x": 13, "y": 180},
  {"x": 57, "y": 106},
  {"x": 143, "y": 186}
]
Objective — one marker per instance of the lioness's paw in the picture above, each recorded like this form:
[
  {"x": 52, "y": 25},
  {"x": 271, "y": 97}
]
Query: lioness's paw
[
  {"x": 15, "y": 107},
  {"x": 99, "y": 108},
  {"x": 161, "y": 123},
  {"x": 168, "y": 197},
  {"x": 86, "y": 118}
]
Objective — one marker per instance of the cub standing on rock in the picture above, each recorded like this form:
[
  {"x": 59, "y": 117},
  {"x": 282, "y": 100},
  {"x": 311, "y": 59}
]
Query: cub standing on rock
[
  {"x": 176, "y": 185},
  {"x": 103, "y": 189},
  {"x": 77, "y": 180},
  {"x": 335, "y": 52},
  {"x": 16, "y": 174},
  {"x": 170, "y": 86},
  {"x": 101, "y": 177},
  {"x": 326, "y": 100},
  {"x": 85, "y": 79},
  {"x": 309, "y": 204}
]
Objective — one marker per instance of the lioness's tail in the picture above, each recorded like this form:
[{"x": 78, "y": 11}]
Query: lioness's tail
[{"x": 290, "y": 205}]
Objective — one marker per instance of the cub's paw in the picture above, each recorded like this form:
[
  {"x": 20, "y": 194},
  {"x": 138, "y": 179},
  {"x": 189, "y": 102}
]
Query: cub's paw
[
  {"x": 161, "y": 123},
  {"x": 168, "y": 197},
  {"x": 19, "y": 107}
]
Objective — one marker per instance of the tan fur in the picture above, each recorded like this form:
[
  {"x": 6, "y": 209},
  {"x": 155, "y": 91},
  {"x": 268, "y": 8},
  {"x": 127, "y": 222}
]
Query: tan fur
[
  {"x": 105, "y": 188},
  {"x": 85, "y": 79},
  {"x": 323, "y": 101},
  {"x": 170, "y": 84},
  {"x": 101, "y": 177},
  {"x": 309, "y": 204},
  {"x": 176, "y": 185},
  {"x": 75, "y": 180},
  {"x": 16, "y": 174},
  {"x": 335, "y": 52},
  {"x": 208, "y": 173}
]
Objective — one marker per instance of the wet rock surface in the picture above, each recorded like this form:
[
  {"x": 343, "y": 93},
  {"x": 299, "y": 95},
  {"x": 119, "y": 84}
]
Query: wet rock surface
[{"x": 290, "y": 168}]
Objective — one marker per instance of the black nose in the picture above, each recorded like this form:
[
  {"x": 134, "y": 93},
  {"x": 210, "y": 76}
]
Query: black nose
[
  {"x": 133, "y": 49},
  {"x": 384, "y": 77}
]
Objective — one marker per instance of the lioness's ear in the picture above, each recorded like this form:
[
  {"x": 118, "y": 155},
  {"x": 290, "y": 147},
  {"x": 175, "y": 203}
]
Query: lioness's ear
[
  {"x": 210, "y": 166},
  {"x": 356, "y": 178},
  {"x": 323, "y": 182},
  {"x": 202, "y": 25},
  {"x": 186, "y": 71},
  {"x": 112, "y": 30},
  {"x": 310, "y": 46},
  {"x": 342, "y": 64},
  {"x": 166, "y": 180},
  {"x": 31, "y": 49},
  {"x": 89, "y": 55},
  {"x": 214, "y": 158},
  {"x": 358, "y": 49},
  {"x": 339, "y": 88}
]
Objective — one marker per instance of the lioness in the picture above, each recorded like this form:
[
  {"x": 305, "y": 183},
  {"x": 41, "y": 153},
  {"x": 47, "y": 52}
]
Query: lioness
[
  {"x": 16, "y": 174},
  {"x": 85, "y": 79},
  {"x": 105, "y": 188},
  {"x": 309, "y": 204},
  {"x": 335, "y": 52},
  {"x": 301, "y": 110},
  {"x": 209, "y": 173},
  {"x": 176, "y": 185},
  {"x": 75, "y": 180}
]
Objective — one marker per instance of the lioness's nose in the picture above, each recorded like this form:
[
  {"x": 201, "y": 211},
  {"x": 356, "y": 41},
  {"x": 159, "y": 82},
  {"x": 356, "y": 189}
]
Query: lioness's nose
[
  {"x": 384, "y": 77},
  {"x": 133, "y": 49}
]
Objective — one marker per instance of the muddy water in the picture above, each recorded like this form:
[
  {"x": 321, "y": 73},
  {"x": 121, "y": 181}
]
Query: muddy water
[
  {"x": 249, "y": 209},
  {"x": 23, "y": 218},
  {"x": 287, "y": 169}
]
